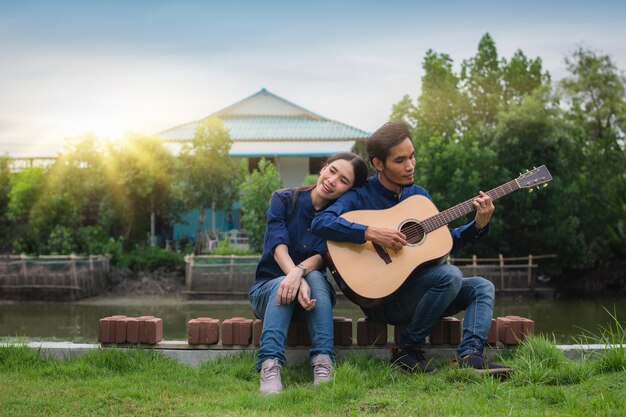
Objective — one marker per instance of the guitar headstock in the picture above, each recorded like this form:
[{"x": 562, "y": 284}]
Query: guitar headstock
[{"x": 534, "y": 178}]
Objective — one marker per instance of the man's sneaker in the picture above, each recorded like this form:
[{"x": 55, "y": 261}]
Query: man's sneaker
[
  {"x": 411, "y": 360},
  {"x": 322, "y": 369},
  {"x": 477, "y": 363},
  {"x": 270, "y": 377}
]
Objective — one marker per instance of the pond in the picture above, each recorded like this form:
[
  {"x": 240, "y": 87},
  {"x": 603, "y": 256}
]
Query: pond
[{"x": 78, "y": 322}]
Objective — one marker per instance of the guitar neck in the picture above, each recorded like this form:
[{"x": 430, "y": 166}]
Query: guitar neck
[{"x": 453, "y": 213}]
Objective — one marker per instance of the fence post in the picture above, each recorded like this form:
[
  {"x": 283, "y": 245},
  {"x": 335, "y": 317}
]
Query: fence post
[
  {"x": 501, "y": 272},
  {"x": 188, "y": 271},
  {"x": 474, "y": 264},
  {"x": 24, "y": 271},
  {"x": 531, "y": 285},
  {"x": 231, "y": 271}
]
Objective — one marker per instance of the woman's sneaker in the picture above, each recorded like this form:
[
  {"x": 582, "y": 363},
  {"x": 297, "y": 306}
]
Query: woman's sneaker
[
  {"x": 411, "y": 360},
  {"x": 270, "y": 377},
  {"x": 477, "y": 363},
  {"x": 322, "y": 368}
]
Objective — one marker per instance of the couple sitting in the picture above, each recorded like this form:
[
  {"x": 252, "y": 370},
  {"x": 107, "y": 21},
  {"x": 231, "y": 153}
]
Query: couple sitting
[{"x": 291, "y": 278}]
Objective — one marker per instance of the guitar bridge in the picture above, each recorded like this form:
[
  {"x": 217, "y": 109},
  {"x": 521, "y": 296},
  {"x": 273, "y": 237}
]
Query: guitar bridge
[{"x": 382, "y": 253}]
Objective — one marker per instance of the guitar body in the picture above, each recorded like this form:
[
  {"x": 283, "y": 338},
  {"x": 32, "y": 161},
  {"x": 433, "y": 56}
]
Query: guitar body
[{"x": 367, "y": 276}]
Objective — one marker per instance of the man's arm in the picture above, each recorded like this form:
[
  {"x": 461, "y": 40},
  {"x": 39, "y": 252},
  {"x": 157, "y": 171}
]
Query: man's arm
[
  {"x": 477, "y": 228},
  {"x": 330, "y": 226}
]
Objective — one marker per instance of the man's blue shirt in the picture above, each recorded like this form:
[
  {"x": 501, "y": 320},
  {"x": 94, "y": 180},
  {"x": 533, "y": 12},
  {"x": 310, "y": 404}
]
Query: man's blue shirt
[
  {"x": 374, "y": 196},
  {"x": 288, "y": 224}
]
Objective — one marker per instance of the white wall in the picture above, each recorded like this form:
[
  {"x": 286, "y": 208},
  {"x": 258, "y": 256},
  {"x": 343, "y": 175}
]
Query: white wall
[{"x": 292, "y": 169}]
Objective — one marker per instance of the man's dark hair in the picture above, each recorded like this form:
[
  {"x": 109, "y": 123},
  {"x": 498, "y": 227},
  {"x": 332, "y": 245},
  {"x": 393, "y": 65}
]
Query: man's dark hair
[{"x": 385, "y": 138}]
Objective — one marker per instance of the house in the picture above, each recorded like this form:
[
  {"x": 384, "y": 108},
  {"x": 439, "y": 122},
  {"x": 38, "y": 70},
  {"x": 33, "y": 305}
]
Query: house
[{"x": 265, "y": 125}]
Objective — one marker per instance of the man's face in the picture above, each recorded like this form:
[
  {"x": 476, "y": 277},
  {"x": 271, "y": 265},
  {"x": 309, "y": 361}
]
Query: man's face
[{"x": 399, "y": 166}]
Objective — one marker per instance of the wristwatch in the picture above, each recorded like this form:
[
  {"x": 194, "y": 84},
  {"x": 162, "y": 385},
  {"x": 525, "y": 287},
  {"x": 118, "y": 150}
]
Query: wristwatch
[{"x": 303, "y": 268}]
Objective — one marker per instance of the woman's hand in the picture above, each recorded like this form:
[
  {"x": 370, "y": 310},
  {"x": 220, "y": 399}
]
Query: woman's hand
[
  {"x": 304, "y": 296},
  {"x": 288, "y": 288}
]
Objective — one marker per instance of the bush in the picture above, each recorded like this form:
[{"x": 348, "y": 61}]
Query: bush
[
  {"x": 225, "y": 248},
  {"x": 151, "y": 259}
]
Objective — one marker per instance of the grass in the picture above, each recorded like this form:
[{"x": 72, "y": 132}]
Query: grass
[{"x": 137, "y": 382}]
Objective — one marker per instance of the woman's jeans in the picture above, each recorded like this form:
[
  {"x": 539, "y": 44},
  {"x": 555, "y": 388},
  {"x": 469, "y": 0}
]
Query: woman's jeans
[
  {"x": 436, "y": 292},
  {"x": 277, "y": 317}
]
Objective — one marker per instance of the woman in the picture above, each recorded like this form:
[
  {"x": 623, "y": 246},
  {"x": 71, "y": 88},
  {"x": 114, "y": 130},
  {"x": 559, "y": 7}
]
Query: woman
[{"x": 291, "y": 273}]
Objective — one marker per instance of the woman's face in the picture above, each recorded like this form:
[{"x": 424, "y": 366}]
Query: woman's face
[{"x": 335, "y": 179}]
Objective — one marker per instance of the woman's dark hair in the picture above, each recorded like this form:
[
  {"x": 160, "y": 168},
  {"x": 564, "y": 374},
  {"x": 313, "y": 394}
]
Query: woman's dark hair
[
  {"x": 386, "y": 137},
  {"x": 358, "y": 165}
]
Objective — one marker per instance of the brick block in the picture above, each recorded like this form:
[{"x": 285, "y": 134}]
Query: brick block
[
  {"x": 150, "y": 330},
  {"x": 492, "y": 337},
  {"x": 106, "y": 330},
  {"x": 440, "y": 334},
  {"x": 298, "y": 334},
  {"x": 120, "y": 329},
  {"x": 398, "y": 330},
  {"x": 237, "y": 331},
  {"x": 514, "y": 329},
  {"x": 132, "y": 330},
  {"x": 257, "y": 329},
  {"x": 454, "y": 330},
  {"x": 369, "y": 333},
  {"x": 342, "y": 328},
  {"x": 203, "y": 331}
]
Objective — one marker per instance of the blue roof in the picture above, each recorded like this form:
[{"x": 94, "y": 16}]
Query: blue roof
[{"x": 266, "y": 117}]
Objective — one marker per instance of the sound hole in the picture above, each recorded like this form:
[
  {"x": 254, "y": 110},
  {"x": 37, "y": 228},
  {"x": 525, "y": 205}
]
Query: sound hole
[{"x": 413, "y": 231}]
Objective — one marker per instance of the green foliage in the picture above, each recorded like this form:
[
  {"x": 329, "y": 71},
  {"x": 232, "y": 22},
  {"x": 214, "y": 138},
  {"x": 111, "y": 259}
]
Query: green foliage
[
  {"x": 225, "y": 248},
  {"x": 24, "y": 192},
  {"x": 151, "y": 259},
  {"x": 208, "y": 177},
  {"x": 256, "y": 191},
  {"x": 60, "y": 241}
]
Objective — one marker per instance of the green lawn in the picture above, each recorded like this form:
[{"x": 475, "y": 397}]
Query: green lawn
[{"x": 143, "y": 383}]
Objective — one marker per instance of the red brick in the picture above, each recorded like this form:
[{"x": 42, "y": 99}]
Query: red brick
[
  {"x": 514, "y": 329},
  {"x": 342, "y": 328},
  {"x": 132, "y": 330},
  {"x": 237, "y": 331},
  {"x": 397, "y": 333},
  {"x": 492, "y": 337},
  {"x": 203, "y": 331},
  {"x": 441, "y": 333},
  {"x": 150, "y": 331},
  {"x": 106, "y": 330},
  {"x": 120, "y": 329},
  {"x": 298, "y": 334},
  {"x": 454, "y": 330},
  {"x": 257, "y": 329},
  {"x": 370, "y": 333}
]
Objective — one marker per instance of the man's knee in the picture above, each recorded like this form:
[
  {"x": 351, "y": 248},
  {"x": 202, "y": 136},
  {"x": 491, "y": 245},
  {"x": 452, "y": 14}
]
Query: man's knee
[{"x": 451, "y": 276}]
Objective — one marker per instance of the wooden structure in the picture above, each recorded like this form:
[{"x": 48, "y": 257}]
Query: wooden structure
[
  {"x": 233, "y": 275},
  {"x": 509, "y": 275},
  {"x": 52, "y": 278}
]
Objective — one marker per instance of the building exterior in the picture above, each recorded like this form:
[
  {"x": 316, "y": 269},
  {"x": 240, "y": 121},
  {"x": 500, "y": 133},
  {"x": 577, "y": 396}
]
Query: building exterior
[{"x": 265, "y": 125}]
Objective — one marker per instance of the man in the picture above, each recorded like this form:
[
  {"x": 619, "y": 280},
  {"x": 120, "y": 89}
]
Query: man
[{"x": 433, "y": 292}]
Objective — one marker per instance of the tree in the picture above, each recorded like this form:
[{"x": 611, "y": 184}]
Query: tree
[
  {"x": 209, "y": 177},
  {"x": 482, "y": 82},
  {"x": 256, "y": 191},
  {"x": 441, "y": 104},
  {"x": 140, "y": 175},
  {"x": 596, "y": 93}
]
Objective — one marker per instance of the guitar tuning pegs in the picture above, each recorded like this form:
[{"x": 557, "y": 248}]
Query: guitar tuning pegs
[
  {"x": 530, "y": 190},
  {"x": 545, "y": 185}
]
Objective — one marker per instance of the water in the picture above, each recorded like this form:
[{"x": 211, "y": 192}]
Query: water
[{"x": 78, "y": 322}]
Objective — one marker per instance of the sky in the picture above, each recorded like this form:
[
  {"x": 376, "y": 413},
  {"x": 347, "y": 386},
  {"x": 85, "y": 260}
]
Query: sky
[{"x": 111, "y": 68}]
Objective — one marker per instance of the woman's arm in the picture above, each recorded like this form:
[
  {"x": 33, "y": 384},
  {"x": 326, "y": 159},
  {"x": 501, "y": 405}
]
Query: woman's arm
[{"x": 288, "y": 289}]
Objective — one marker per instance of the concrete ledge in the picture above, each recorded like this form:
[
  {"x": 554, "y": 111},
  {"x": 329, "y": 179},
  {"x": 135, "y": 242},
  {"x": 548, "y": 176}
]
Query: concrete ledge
[{"x": 196, "y": 355}]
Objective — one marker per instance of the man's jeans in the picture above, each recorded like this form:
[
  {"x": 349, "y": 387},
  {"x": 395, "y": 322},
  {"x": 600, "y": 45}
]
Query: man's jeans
[
  {"x": 436, "y": 292},
  {"x": 277, "y": 317}
]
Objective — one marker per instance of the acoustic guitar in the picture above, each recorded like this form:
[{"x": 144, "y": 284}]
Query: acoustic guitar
[{"x": 369, "y": 275}]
